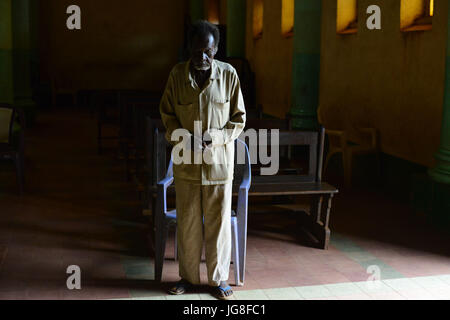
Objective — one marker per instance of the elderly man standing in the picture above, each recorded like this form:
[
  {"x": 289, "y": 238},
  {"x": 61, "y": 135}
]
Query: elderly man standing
[{"x": 207, "y": 92}]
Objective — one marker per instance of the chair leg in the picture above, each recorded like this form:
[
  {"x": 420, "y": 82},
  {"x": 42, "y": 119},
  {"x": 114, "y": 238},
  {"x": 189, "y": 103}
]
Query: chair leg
[
  {"x": 99, "y": 138},
  {"x": 330, "y": 154},
  {"x": 241, "y": 249},
  {"x": 235, "y": 254},
  {"x": 160, "y": 248},
  {"x": 19, "y": 162},
  {"x": 75, "y": 99},
  {"x": 347, "y": 160},
  {"x": 379, "y": 168},
  {"x": 326, "y": 162}
]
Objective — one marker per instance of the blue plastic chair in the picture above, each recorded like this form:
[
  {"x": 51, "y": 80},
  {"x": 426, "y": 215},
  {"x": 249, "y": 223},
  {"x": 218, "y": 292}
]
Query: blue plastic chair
[{"x": 164, "y": 219}]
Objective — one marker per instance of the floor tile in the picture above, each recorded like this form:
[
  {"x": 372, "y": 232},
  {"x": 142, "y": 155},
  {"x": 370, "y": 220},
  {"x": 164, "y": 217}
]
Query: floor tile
[
  {"x": 440, "y": 293},
  {"x": 416, "y": 294},
  {"x": 207, "y": 296},
  {"x": 283, "y": 294},
  {"x": 430, "y": 282},
  {"x": 401, "y": 284},
  {"x": 183, "y": 297},
  {"x": 445, "y": 278},
  {"x": 374, "y": 287},
  {"x": 360, "y": 296},
  {"x": 251, "y": 295},
  {"x": 150, "y": 298},
  {"x": 386, "y": 296},
  {"x": 324, "y": 298},
  {"x": 311, "y": 292},
  {"x": 343, "y": 289}
]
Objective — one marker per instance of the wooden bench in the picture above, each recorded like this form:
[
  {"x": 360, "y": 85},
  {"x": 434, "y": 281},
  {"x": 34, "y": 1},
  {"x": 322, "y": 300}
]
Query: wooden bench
[{"x": 305, "y": 178}]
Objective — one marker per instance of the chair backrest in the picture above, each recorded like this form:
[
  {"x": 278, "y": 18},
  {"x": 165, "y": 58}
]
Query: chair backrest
[
  {"x": 269, "y": 124},
  {"x": 314, "y": 140},
  {"x": 281, "y": 124},
  {"x": 311, "y": 155},
  {"x": 7, "y": 116},
  {"x": 105, "y": 102},
  {"x": 242, "y": 164},
  {"x": 161, "y": 154},
  {"x": 154, "y": 130}
]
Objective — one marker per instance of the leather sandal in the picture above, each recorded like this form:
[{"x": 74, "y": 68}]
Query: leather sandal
[
  {"x": 221, "y": 293},
  {"x": 180, "y": 287}
]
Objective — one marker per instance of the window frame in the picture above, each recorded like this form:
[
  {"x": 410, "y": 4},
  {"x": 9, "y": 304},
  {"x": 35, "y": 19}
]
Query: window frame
[
  {"x": 352, "y": 25},
  {"x": 257, "y": 34},
  {"x": 287, "y": 33},
  {"x": 424, "y": 21}
]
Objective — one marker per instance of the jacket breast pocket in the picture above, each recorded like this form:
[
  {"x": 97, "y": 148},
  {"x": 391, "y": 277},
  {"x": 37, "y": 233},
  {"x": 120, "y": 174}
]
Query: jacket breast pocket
[
  {"x": 186, "y": 115},
  {"x": 221, "y": 112}
]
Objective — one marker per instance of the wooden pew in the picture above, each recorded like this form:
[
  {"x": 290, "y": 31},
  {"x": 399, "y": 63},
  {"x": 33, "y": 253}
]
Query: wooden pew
[{"x": 315, "y": 219}]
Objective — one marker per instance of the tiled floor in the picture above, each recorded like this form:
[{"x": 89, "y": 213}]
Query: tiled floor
[
  {"x": 395, "y": 289},
  {"x": 80, "y": 210}
]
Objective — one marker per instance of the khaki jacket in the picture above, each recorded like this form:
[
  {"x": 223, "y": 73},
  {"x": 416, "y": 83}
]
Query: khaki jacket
[{"x": 220, "y": 108}]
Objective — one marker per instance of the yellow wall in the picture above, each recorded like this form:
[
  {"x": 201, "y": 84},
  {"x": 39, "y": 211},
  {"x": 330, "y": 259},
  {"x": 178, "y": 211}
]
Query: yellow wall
[
  {"x": 119, "y": 46},
  {"x": 271, "y": 60},
  {"x": 387, "y": 79}
]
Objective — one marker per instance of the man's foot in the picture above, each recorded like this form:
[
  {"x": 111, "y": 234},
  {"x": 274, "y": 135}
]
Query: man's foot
[
  {"x": 223, "y": 291},
  {"x": 180, "y": 287}
]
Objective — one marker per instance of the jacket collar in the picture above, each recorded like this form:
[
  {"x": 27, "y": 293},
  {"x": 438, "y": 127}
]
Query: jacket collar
[{"x": 215, "y": 71}]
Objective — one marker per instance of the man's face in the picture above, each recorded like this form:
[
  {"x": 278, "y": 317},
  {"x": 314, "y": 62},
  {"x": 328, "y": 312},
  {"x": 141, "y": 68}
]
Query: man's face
[{"x": 203, "y": 51}]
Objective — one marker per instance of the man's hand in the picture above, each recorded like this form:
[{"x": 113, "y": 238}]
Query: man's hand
[
  {"x": 207, "y": 140},
  {"x": 206, "y": 144},
  {"x": 196, "y": 144}
]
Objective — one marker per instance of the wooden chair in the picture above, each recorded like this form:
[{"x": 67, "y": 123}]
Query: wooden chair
[
  {"x": 339, "y": 143},
  {"x": 166, "y": 218},
  {"x": 155, "y": 161},
  {"x": 11, "y": 145},
  {"x": 136, "y": 106},
  {"x": 106, "y": 102},
  {"x": 63, "y": 85}
]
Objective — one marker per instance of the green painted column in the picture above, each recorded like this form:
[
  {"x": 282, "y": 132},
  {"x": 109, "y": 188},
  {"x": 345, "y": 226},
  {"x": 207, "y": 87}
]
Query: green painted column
[
  {"x": 23, "y": 42},
  {"x": 196, "y": 10},
  {"x": 6, "y": 60},
  {"x": 440, "y": 174},
  {"x": 306, "y": 63},
  {"x": 236, "y": 27}
]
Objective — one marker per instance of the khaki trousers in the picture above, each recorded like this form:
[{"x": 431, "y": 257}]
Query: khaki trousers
[{"x": 213, "y": 204}]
